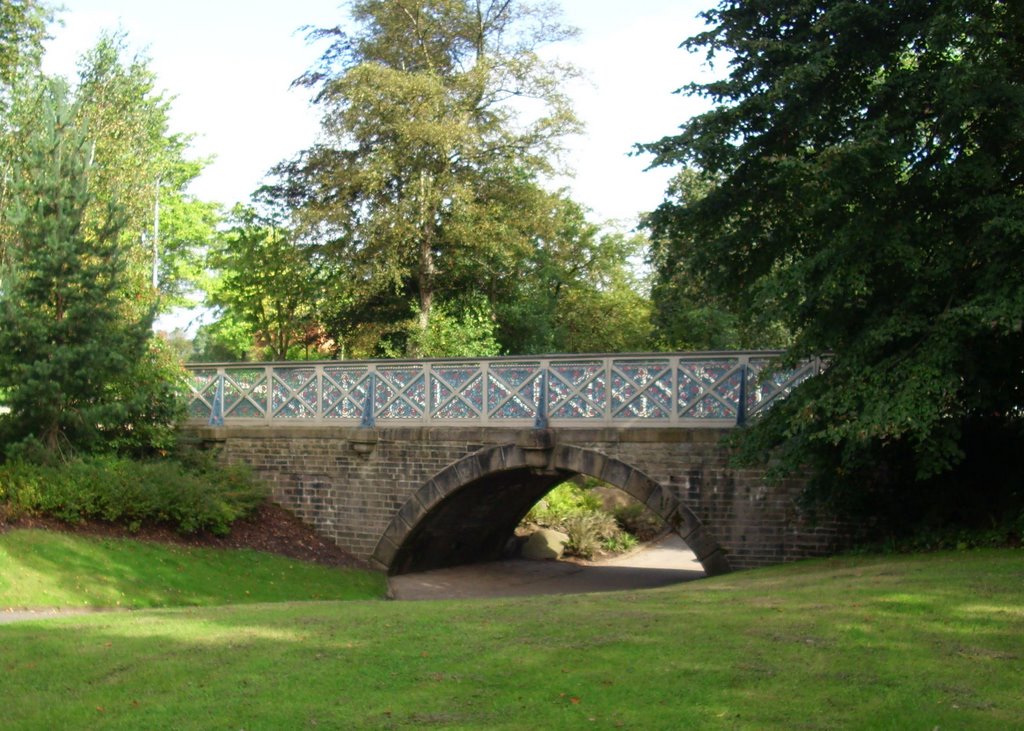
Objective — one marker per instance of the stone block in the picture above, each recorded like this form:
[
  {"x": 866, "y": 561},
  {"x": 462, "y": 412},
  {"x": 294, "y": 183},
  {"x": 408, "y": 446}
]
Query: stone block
[
  {"x": 385, "y": 552},
  {"x": 430, "y": 495},
  {"x": 412, "y": 512},
  {"x": 616, "y": 473},
  {"x": 469, "y": 469},
  {"x": 684, "y": 521},
  {"x": 357, "y": 500},
  {"x": 662, "y": 502},
  {"x": 702, "y": 543},
  {"x": 492, "y": 460},
  {"x": 640, "y": 486},
  {"x": 717, "y": 564},
  {"x": 544, "y": 544}
]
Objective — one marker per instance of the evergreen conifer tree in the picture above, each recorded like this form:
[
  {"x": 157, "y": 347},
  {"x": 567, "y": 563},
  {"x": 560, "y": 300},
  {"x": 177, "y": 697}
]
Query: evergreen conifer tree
[{"x": 65, "y": 337}]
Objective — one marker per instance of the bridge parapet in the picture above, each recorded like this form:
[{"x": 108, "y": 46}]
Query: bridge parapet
[{"x": 708, "y": 389}]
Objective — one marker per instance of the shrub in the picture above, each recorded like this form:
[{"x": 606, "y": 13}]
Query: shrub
[
  {"x": 588, "y": 531},
  {"x": 637, "y": 520},
  {"x": 133, "y": 493},
  {"x": 152, "y": 404},
  {"x": 619, "y": 543},
  {"x": 564, "y": 501}
]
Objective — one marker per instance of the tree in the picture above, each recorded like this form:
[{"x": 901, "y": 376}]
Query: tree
[
  {"x": 426, "y": 143},
  {"x": 869, "y": 195},
  {"x": 64, "y": 341},
  {"x": 689, "y": 313},
  {"x": 144, "y": 166},
  {"x": 268, "y": 281},
  {"x": 23, "y": 26},
  {"x": 576, "y": 290}
]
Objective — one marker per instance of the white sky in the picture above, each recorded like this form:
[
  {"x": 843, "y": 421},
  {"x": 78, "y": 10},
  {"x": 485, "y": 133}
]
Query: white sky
[{"x": 229, "y": 64}]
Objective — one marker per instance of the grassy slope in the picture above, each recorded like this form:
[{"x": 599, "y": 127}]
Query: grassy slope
[
  {"x": 891, "y": 643},
  {"x": 46, "y": 569}
]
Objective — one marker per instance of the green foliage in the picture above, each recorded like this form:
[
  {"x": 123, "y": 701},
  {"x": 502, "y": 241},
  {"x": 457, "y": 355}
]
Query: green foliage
[
  {"x": 269, "y": 283},
  {"x": 132, "y": 492},
  {"x": 689, "y": 313},
  {"x": 425, "y": 185},
  {"x": 577, "y": 511},
  {"x": 453, "y": 331},
  {"x": 575, "y": 290},
  {"x": 64, "y": 338},
  {"x": 23, "y": 26},
  {"x": 589, "y": 531},
  {"x": 866, "y": 196},
  {"x": 224, "y": 340},
  {"x": 637, "y": 520},
  {"x": 619, "y": 542},
  {"x": 152, "y": 395},
  {"x": 141, "y": 165},
  {"x": 564, "y": 500}
]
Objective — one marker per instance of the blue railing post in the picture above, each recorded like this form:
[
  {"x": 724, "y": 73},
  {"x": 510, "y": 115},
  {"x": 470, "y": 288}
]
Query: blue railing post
[
  {"x": 217, "y": 407},
  {"x": 368, "y": 421},
  {"x": 741, "y": 407},
  {"x": 540, "y": 421}
]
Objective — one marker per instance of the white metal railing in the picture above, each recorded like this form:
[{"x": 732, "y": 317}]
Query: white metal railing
[{"x": 711, "y": 389}]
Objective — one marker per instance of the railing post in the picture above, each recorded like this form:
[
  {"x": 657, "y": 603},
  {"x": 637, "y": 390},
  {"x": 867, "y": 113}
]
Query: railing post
[
  {"x": 741, "y": 407},
  {"x": 268, "y": 376},
  {"x": 369, "y": 421},
  {"x": 217, "y": 407},
  {"x": 540, "y": 421}
]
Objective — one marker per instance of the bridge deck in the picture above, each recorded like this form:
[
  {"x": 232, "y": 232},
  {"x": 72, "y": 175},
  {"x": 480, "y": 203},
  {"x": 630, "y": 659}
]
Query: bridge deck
[{"x": 683, "y": 390}]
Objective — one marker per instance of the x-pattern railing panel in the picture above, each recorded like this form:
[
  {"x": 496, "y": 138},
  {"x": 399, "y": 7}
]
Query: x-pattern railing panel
[
  {"x": 457, "y": 391},
  {"x": 513, "y": 390},
  {"x": 686, "y": 390},
  {"x": 577, "y": 389},
  {"x": 641, "y": 389},
  {"x": 709, "y": 388},
  {"x": 762, "y": 393}
]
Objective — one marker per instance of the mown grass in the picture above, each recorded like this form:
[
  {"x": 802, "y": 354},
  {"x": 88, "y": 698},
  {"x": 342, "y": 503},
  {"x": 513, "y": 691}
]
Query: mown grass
[
  {"x": 47, "y": 569},
  {"x": 900, "y": 642}
]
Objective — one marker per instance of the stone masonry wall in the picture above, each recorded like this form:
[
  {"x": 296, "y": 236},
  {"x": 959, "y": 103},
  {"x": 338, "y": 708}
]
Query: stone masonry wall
[{"x": 349, "y": 483}]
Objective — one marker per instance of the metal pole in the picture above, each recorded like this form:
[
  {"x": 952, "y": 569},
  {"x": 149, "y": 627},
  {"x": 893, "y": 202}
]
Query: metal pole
[
  {"x": 368, "y": 421},
  {"x": 541, "y": 420},
  {"x": 741, "y": 407},
  {"x": 156, "y": 237}
]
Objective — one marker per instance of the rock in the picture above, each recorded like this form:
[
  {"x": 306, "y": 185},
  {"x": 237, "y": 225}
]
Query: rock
[{"x": 544, "y": 544}]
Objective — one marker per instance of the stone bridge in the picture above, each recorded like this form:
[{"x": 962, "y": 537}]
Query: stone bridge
[{"x": 420, "y": 465}]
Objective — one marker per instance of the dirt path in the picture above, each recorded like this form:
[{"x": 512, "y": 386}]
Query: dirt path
[
  {"x": 9, "y": 616},
  {"x": 664, "y": 562}
]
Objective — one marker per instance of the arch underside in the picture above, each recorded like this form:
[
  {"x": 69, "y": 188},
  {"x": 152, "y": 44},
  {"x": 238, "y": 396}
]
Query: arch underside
[{"x": 469, "y": 511}]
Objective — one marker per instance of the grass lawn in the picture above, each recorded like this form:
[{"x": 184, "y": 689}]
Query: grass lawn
[
  {"x": 901, "y": 642},
  {"x": 47, "y": 569}
]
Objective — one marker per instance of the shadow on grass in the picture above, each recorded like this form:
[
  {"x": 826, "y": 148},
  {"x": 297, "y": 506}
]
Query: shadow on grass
[{"x": 913, "y": 643}]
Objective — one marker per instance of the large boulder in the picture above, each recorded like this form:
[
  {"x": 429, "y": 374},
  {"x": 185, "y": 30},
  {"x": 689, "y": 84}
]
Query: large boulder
[{"x": 545, "y": 544}]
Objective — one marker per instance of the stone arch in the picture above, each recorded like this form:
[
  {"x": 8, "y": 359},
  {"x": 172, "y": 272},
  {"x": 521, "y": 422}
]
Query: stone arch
[{"x": 491, "y": 489}]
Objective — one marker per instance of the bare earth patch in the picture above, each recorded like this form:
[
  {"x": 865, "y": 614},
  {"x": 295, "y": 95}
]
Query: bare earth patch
[{"x": 270, "y": 528}]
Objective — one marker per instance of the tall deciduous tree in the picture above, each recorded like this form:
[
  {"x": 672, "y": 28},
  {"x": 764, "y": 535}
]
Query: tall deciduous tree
[
  {"x": 437, "y": 114},
  {"x": 268, "y": 281},
  {"x": 23, "y": 28},
  {"x": 869, "y": 168},
  {"x": 63, "y": 338},
  {"x": 689, "y": 313},
  {"x": 576, "y": 291},
  {"x": 142, "y": 164}
]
